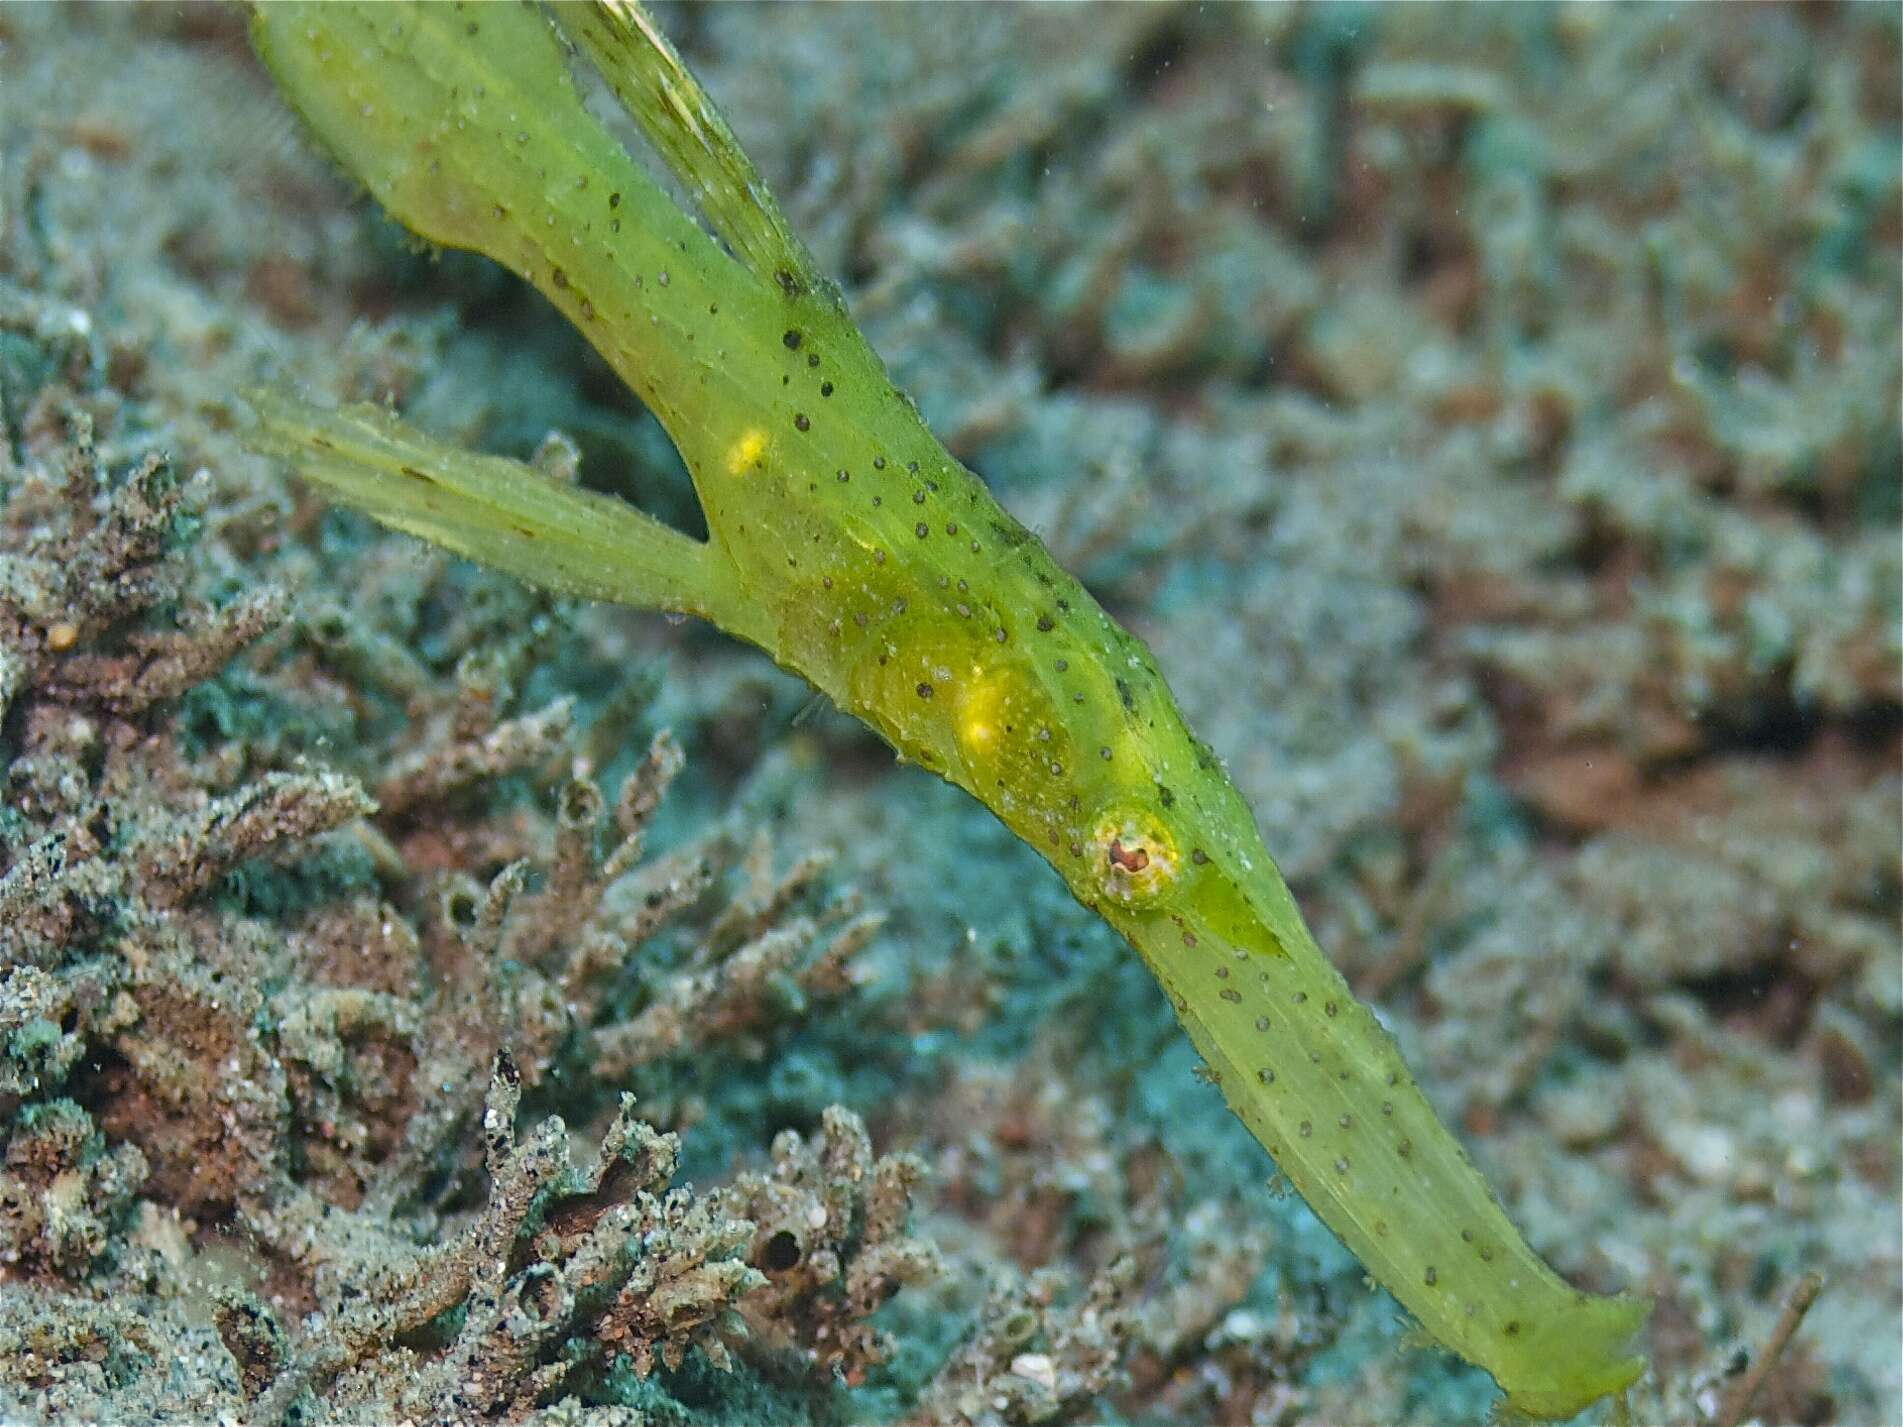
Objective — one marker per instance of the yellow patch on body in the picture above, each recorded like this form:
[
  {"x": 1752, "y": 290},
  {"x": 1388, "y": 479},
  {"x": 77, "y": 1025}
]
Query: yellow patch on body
[
  {"x": 748, "y": 453},
  {"x": 982, "y": 714}
]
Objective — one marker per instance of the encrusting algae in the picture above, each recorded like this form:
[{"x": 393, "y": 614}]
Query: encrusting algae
[{"x": 848, "y": 544}]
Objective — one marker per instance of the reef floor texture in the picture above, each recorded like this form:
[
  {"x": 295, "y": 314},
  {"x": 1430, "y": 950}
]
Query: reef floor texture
[{"x": 424, "y": 1000}]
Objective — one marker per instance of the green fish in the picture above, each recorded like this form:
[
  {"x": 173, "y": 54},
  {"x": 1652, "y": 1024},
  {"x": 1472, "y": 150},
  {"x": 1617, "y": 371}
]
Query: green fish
[{"x": 847, "y": 543}]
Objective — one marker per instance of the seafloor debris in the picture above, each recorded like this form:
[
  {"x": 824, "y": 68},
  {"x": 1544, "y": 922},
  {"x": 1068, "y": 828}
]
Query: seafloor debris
[
  {"x": 1034, "y": 1359},
  {"x": 829, "y": 1224},
  {"x": 167, "y": 1044},
  {"x": 559, "y": 1257}
]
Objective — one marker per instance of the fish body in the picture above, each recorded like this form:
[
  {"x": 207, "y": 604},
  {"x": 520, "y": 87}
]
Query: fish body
[{"x": 851, "y": 547}]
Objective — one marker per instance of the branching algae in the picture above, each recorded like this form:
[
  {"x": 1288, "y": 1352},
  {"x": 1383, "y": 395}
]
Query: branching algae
[{"x": 850, "y": 546}]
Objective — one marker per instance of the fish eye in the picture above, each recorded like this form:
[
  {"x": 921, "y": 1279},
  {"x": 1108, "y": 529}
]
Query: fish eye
[{"x": 1134, "y": 856}]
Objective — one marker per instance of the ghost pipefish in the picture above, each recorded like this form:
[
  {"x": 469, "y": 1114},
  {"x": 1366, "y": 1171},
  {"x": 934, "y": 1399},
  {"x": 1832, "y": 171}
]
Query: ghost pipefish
[{"x": 849, "y": 545}]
